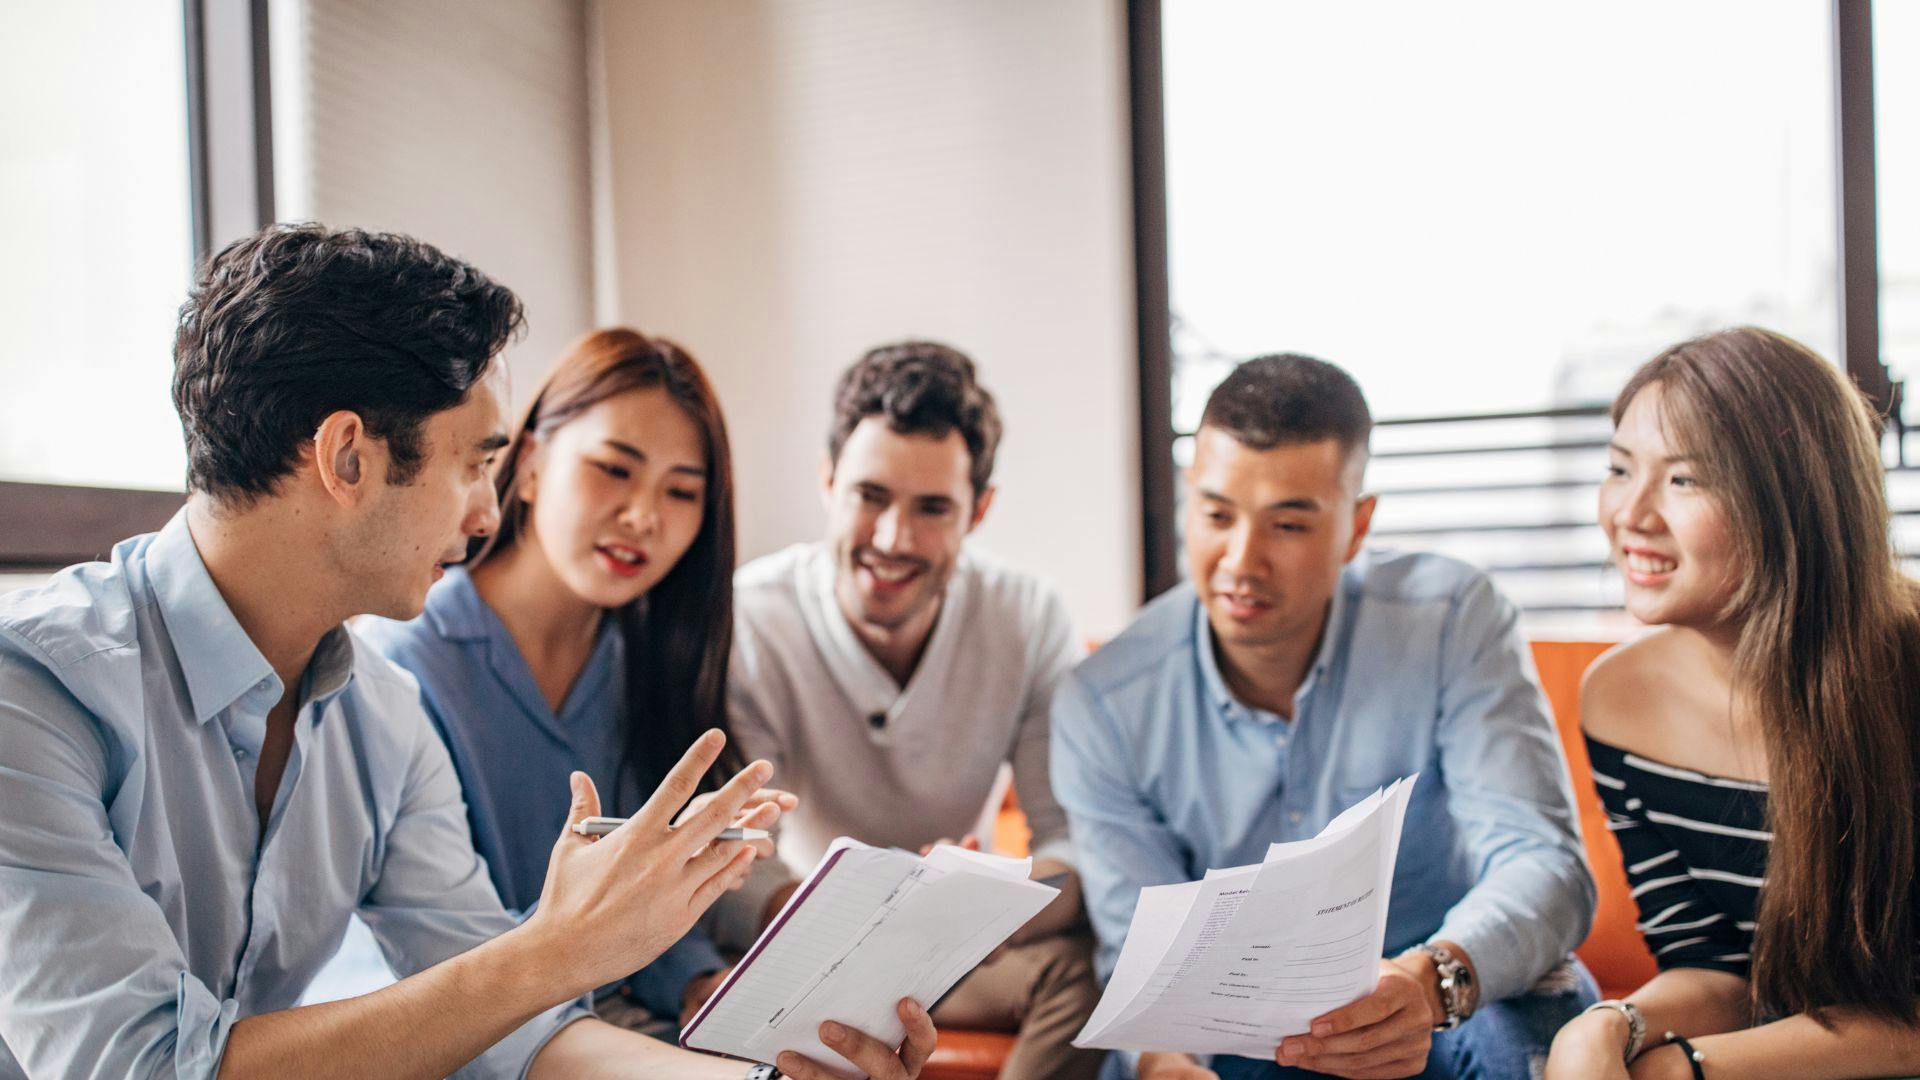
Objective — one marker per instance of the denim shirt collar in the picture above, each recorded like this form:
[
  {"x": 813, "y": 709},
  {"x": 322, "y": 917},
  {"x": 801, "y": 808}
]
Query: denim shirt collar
[
  {"x": 220, "y": 663},
  {"x": 1338, "y": 611},
  {"x": 457, "y": 612}
]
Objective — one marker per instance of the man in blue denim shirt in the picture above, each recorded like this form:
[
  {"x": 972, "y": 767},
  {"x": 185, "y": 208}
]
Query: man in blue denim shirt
[
  {"x": 204, "y": 774},
  {"x": 1294, "y": 674}
]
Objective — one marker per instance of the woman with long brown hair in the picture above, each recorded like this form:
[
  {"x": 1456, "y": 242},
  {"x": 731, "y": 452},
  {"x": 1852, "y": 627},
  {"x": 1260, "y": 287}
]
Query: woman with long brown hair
[
  {"x": 1757, "y": 752},
  {"x": 592, "y": 630}
]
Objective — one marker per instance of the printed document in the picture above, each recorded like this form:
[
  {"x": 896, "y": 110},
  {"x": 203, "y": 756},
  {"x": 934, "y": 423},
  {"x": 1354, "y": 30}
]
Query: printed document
[
  {"x": 1247, "y": 956},
  {"x": 868, "y": 927}
]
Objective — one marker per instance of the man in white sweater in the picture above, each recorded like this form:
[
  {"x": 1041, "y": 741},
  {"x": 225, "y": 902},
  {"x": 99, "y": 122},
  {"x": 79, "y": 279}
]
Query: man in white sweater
[{"x": 890, "y": 676}]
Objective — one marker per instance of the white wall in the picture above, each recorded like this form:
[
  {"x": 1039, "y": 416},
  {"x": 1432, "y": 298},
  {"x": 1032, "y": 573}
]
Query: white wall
[
  {"x": 462, "y": 122},
  {"x": 793, "y": 182}
]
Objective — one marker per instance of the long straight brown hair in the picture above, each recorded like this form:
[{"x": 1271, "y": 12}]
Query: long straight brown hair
[
  {"x": 1828, "y": 654},
  {"x": 679, "y": 634}
]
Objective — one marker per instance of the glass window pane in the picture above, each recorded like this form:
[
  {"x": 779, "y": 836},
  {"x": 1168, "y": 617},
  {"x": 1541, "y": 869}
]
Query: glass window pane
[
  {"x": 97, "y": 224},
  {"x": 1495, "y": 205}
]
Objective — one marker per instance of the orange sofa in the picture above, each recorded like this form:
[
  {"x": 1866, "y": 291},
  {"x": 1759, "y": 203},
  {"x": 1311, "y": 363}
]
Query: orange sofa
[{"x": 1613, "y": 950}]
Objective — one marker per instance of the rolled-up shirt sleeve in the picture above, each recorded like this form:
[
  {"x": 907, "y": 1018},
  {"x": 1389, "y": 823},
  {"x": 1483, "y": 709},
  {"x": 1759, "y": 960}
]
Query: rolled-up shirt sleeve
[
  {"x": 1509, "y": 794},
  {"x": 433, "y": 899},
  {"x": 92, "y": 982}
]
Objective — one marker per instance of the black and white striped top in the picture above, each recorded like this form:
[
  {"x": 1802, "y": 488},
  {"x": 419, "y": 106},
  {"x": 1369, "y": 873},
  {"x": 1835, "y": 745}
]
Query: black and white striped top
[{"x": 1695, "y": 848}]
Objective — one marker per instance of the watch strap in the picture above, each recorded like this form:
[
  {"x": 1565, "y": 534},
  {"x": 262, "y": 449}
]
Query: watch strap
[
  {"x": 1458, "y": 995},
  {"x": 762, "y": 1072},
  {"x": 1636, "y": 1024}
]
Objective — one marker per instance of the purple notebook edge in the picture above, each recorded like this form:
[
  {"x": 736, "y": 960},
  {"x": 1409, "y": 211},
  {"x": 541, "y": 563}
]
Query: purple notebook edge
[{"x": 759, "y": 946}]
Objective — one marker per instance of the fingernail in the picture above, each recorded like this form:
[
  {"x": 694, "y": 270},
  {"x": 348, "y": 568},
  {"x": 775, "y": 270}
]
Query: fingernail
[
  {"x": 1289, "y": 1051},
  {"x": 788, "y": 1062},
  {"x": 832, "y": 1032},
  {"x": 1322, "y": 1028}
]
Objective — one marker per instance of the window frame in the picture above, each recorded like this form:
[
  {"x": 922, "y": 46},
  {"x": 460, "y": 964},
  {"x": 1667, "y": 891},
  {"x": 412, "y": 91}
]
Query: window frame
[{"x": 230, "y": 186}]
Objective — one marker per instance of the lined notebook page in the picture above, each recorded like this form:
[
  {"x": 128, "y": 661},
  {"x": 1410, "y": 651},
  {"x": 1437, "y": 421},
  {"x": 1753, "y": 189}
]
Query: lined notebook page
[{"x": 835, "y": 904}]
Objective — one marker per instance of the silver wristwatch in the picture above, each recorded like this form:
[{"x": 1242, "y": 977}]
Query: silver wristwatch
[
  {"x": 762, "y": 1072},
  {"x": 1636, "y": 1024},
  {"x": 1458, "y": 994}
]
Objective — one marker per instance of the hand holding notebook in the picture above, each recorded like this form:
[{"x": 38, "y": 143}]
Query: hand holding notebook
[{"x": 868, "y": 927}]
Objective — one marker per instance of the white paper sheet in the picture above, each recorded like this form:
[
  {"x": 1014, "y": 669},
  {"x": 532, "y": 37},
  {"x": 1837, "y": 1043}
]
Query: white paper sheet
[{"x": 1237, "y": 961}]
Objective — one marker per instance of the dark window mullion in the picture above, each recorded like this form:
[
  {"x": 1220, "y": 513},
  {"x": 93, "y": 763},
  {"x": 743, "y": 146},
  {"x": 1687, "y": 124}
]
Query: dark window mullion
[
  {"x": 1146, "y": 86},
  {"x": 1858, "y": 201}
]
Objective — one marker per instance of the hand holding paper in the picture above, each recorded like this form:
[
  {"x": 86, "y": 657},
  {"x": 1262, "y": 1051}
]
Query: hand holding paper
[{"x": 1235, "y": 962}]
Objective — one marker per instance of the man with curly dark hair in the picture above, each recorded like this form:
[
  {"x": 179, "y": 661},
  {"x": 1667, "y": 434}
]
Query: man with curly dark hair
[
  {"x": 205, "y": 774},
  {"x": 893, "y": 674}
]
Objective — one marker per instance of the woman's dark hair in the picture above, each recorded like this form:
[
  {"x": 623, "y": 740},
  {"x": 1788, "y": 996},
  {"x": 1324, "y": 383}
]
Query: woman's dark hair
[
  {"x": 922, "y": 388},
  {"x": 679, "y": 634},
  {"x": 296, "y": 322},
  {"x": 1828, "y": 655}
]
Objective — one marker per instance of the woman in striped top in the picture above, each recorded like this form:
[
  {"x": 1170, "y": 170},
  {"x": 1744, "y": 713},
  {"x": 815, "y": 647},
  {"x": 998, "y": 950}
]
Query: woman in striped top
[
  {"x": 1695, "y": 847},
  {"x": 1757, "y": 753}
]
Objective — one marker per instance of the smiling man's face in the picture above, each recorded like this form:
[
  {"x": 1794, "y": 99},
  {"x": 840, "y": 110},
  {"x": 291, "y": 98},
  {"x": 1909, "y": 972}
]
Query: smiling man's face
[{"x": 898, "y": 508}]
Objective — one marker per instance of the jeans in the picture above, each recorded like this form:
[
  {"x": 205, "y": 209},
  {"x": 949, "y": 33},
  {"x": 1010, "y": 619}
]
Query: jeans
[{"x": 1504, "y": 1040}]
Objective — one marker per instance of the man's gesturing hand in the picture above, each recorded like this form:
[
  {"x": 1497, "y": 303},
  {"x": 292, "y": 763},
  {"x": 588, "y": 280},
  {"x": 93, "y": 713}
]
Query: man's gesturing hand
[
  {"x": 1384, "y": 1035},
  {"x": 784, "y": 801},
  {"x": 611, "y": 905}
]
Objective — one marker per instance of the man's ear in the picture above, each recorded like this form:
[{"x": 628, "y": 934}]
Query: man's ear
[
  {"x": 1362, "y": 523},
  {"x": 826, "y": 480},
  {"x": 980, "y": 504},
  {"x": 346, "y": 458}
]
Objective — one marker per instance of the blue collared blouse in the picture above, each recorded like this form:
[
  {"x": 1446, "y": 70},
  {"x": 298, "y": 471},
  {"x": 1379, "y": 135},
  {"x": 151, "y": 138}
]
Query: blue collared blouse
[{"x": 514, "y": 753}]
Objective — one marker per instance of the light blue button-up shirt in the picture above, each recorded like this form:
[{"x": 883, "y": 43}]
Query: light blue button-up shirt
[
  {"x": 514, "y": 753},
  {"x": 1420, "y": 669},
  {"x": 142, "y": 912}
]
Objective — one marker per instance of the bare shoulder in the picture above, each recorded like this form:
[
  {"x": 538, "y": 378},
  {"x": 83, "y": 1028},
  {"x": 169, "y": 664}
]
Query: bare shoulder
[{"x": 1620, "y": 692}]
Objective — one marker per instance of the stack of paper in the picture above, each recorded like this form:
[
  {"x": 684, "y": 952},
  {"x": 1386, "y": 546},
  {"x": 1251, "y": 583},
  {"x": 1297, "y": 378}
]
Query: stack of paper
[
  {"x": 868, "y": 927},
  {"x": 1238, "y": 961}
]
